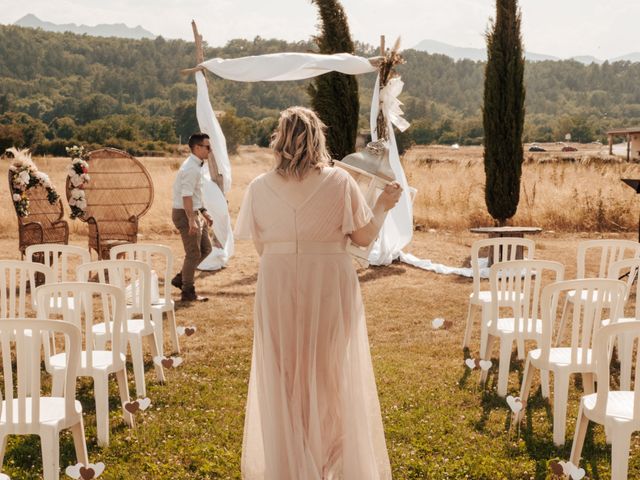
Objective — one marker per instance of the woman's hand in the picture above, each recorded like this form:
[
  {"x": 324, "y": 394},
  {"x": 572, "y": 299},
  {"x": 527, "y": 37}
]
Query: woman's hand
[{"x": 389, "y": 196}]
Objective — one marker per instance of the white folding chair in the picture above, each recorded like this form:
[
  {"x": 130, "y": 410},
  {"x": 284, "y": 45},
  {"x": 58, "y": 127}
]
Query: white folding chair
[
  {"x": 502, "y": 249},
  {"x": 17, "y": 279},
  {"x": 520, "y": 282},
  {"x": 599, "y": 254},
  {"x": 136, "y": 276},
  {"x": 164, "y": 303},
  {"x": 92, "y": 303},
  {"x": 62, "y": 259},
  {"x": 574, "y": 354},
  {"x": 36, "y": 414},
  {"x": 617, "y": 409}
]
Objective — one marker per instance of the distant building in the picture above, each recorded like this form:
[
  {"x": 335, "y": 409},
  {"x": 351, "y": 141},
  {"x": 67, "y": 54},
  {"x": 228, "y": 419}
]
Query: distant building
[{"x": 632, "y": 137}]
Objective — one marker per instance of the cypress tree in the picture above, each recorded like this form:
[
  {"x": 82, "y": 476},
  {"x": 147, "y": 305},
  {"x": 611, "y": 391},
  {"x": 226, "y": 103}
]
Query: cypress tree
[
  {"x": 334, "y": 96},
  {"x": 503, "y": 112}
]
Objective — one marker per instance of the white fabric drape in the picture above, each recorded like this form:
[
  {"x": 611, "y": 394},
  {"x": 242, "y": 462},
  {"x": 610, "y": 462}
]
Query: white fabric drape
[
  {"x": 212, "y": 197},
  {"x": 286, "y": 66},
  {"x": 397, "y": 230}
]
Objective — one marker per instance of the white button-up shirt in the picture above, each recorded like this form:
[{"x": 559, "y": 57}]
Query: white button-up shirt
[{"x": 188, "y": 183}]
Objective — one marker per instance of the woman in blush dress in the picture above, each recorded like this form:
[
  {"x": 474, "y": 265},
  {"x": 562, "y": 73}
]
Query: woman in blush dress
[{"x": 312, "y": 407}]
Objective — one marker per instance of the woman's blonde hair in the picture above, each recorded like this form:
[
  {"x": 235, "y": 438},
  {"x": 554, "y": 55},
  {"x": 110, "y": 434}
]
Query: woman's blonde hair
[{"x": 299, "y": 143}]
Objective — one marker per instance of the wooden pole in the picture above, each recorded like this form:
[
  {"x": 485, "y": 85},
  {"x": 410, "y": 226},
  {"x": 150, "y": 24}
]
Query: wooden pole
[
  {"x": 628, "y": 146},
  {"x": 382, "y": 45},
  {"x": 610, "y": 144}
]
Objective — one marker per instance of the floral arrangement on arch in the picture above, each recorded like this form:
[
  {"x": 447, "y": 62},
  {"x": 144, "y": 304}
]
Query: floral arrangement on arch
[
  {"x": 24, "y": 176},
  {"x": 78, "y": 177}
]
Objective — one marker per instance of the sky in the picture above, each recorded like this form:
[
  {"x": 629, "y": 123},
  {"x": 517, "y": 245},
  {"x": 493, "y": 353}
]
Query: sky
[{"x": 562, "y": 28}]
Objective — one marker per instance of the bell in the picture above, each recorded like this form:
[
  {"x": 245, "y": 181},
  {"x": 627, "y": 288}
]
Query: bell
[{"x": 374, "y": 159}]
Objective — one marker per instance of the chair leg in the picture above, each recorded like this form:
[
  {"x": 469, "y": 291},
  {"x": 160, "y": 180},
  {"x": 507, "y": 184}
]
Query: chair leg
[
  {"x": 79, "y": 442},
  {"x": 560, "y": 397},
  {"x": 50, "y": 444},
  {"x": 101, "y": 390},
  {"x": 578, "y": 436},
  {"x": 135, "y": 343},
  {"x": 173, "y": 330},
  {"x": 506, "y": 346},
  {"x": 486, "y": 355},
  {"x": 620, "y": 454},
  {"x": 544, "y": 384},
  {"x": 123, "y": 388},
  {"x": 527, "y": 379},
  {"x": 153, "y": 345},
  {"x": 3, "y": 447},
  {"x": 156, "y": 317},
  {"x": 57, "y": 383},
  {"x": 521, "y": 350},
  {"x": 467, "y": 332},
  {"x": 484, "y": 328}
]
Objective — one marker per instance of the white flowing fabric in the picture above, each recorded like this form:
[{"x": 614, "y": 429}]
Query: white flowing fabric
[
  {"x": 444, "y": 269},
  {"x": 286, "y": 66},
  {"x": 397, "y": 230},
  {"x": 212, "y": 197}
]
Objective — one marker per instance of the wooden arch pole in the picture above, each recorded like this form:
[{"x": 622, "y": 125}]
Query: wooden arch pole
[{"x": 213, "y": 166}]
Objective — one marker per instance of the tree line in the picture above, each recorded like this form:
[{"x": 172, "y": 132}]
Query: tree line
[{"x": 62, "y": 88}]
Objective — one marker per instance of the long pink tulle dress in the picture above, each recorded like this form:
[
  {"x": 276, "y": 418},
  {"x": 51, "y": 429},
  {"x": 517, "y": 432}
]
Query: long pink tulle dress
[{"x": 312, "y": 408}]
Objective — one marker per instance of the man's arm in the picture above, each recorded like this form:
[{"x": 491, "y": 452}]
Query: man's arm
[{"x": 187, "y": 202}]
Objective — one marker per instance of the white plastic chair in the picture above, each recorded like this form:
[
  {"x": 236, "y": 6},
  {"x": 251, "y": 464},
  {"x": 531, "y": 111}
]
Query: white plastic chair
[
  {"x": 605, "y": 252},
  {"x": 572, "y": 355},
  {"x": 62, "y": 259},
  {"x": 503, "y": 249},
  {"x": 135, "y": 275},
  {"x": 16, "y": 279},
  {"x": 92, "y": 302},
  {"x": 164, "y": 304},
  {"x": 617, "y": 410},
  {"x": 520, "y": 281},
  {"x": 46, "y": 416}
]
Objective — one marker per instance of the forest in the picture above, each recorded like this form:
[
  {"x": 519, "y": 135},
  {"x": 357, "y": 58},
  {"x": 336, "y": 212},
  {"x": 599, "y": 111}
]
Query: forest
[{"x": 58, "y": 89}]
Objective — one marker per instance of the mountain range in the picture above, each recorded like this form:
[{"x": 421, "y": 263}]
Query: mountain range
[
  {"x": 101, "y": 30},
  {"x": 480, "y": 54}
]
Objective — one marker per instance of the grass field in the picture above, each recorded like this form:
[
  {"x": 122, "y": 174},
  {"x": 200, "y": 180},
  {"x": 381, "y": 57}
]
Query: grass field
[{"x": 439, "y": 423}]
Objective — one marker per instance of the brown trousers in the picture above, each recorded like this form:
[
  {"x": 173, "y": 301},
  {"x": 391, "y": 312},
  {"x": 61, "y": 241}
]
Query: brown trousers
[{"x": 196, "y": 247}]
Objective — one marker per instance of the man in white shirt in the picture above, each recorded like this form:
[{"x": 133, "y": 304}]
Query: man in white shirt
[{"x": 188, "y": 214}]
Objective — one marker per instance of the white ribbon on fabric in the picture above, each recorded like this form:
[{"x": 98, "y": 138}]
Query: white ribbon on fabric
[
  {"x": 286, "y": 66},
  {"x": 391, "y": 105},
  {"x": 397, "y": 230},
  {"x": 212, "y": 197}
]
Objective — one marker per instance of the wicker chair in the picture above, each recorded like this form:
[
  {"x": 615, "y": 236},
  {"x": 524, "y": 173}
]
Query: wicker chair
[
  {"x": 119, "y": 193},
  {"x": 44, "y": 224}
]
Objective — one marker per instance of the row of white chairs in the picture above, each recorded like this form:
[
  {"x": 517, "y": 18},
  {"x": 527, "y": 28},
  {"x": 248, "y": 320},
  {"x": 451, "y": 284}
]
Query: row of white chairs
[
  {"x": 104, "y": 315},
  {"x": 532, "y": 291}
]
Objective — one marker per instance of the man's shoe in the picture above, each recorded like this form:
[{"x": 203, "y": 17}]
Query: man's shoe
[
  {"x": 177, "y": 281},
  {"x": 190, "y": 295}
]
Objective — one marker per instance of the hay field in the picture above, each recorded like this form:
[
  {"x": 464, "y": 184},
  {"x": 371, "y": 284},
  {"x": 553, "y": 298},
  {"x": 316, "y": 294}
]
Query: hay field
[{"x": 438, "y": 423}]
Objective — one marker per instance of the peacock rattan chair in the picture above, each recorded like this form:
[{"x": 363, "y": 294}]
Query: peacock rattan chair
[
  {"x": 44, "y": 224},
  {"x": 119, "y": 192}
]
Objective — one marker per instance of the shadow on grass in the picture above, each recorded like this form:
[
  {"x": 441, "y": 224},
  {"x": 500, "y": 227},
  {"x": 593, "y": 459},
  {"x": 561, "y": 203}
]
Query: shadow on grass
[
  {"x": 375, "y": 273},
  {"x": 249, "y": 280}
]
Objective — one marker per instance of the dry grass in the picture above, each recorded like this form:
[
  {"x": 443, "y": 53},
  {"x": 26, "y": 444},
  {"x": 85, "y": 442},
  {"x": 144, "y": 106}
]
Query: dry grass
[{"x": 439, "y": 424}]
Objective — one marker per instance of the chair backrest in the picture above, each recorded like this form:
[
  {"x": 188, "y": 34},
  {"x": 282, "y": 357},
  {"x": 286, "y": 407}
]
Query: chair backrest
[
  {"x": 599, "y": 295},
  {"x": 85, "y": 304},
  {"x": 20, "y": 342},
  {"x": 630, "y": 268},
  {"x": 40, "y": 210},
  {"x": 61, "y": 258},
  {"x": 604, "y": 252},
  {"x": 519, "y": 284},
  {"x": 16, "y": 279},
  {"x": 129, "y": 275},
  {"x": 504, "y": 249},
  {"x": 158, "y": 257},
  {"x": 605, "y": 337},
  {"x": 120, "y": 187}
]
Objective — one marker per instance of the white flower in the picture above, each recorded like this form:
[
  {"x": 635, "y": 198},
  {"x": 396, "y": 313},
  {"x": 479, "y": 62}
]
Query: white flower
[
  {"x": 76, "y": 180},
  {"x": 86, "y": 177},
  {"x": 82, "y": 204},
  {"x": 24, "y": 176},
  {"x": 16, "y": 197}
]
